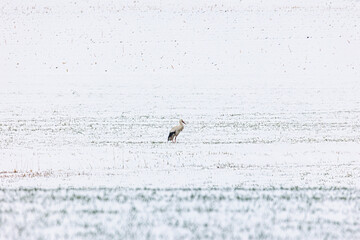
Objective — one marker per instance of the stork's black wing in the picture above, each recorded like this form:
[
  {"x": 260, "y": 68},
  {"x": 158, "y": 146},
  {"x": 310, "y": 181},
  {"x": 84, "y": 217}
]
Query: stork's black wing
[{"x": 171, "y": 136}]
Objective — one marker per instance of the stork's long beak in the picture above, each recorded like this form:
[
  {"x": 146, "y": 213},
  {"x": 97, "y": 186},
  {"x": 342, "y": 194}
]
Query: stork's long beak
[{"x": 183, "y": 122}]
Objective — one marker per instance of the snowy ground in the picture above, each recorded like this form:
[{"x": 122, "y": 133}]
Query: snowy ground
[
  {"x": 270, "y": 92},
  {"x": 109, "y": 213}
]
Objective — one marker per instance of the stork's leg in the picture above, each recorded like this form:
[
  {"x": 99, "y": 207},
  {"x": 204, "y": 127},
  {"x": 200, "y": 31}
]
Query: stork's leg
[{"x": 175, "y": 139}]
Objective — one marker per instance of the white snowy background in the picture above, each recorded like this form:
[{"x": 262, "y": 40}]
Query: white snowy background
[{"x": 270, "y": 91}]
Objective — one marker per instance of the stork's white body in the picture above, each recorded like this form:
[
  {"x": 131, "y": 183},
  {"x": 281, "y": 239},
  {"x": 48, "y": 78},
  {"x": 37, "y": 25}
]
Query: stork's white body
[{"x": 175, "y": 131}]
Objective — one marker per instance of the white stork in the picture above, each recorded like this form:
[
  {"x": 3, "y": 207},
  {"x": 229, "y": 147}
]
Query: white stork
[{"x": 174, "y": 132}]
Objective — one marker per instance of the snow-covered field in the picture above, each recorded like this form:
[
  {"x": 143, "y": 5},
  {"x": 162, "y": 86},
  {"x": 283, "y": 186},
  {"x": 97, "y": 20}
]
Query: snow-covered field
[
  {"x": 270, "y": 92},
  {"x": 187, "y": 213}
]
